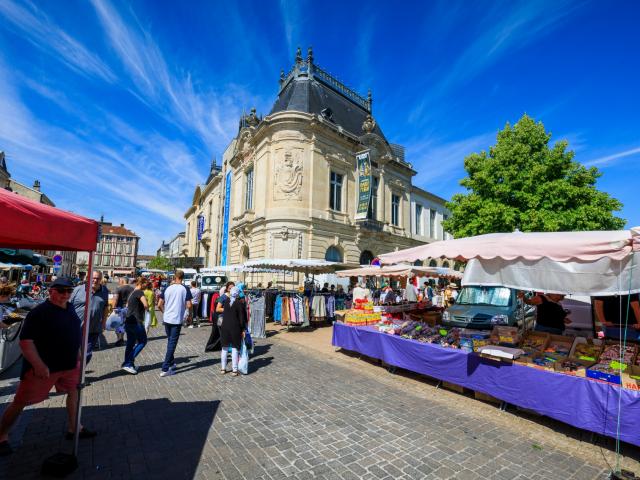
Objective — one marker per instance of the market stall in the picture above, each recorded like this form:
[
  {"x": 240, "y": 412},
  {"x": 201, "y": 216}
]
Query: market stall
[
  {"x": 366, "y": 313},
  {"x": 29, "y": 224},
  {"x": 592, "y": 384},
  {"x": 306, "y": 305}
]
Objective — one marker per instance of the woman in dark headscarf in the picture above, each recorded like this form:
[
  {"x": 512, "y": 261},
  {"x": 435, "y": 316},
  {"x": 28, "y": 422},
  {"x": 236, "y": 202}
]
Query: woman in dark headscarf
[{"x": 234, "y": 324}]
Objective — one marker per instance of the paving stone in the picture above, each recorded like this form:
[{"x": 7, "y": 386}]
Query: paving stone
[{"x": 292, "y": 417}]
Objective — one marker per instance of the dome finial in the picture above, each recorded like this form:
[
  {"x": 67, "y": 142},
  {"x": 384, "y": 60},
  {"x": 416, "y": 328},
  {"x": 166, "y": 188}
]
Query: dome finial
[
  {"x": 299, "y": 55},
  {"x": 310, "y": 55}
]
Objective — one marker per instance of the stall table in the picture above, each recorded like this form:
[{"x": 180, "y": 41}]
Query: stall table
[{"x": 586, "y": 404}]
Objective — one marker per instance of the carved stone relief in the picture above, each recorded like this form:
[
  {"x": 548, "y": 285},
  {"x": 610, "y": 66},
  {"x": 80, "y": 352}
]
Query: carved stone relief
[{"x": 288, "y": 170}]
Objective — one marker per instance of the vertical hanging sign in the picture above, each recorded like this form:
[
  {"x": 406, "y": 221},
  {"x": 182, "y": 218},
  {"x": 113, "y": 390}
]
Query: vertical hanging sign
[
  {"x": 364, "y": 184},
  {"x": 200, "y": 226},
  {"x": 225, "y": 219}
]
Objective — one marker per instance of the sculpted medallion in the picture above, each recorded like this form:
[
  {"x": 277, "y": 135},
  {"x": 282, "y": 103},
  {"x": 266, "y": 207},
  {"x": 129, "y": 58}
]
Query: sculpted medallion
[{"x": 288, "y": 176}]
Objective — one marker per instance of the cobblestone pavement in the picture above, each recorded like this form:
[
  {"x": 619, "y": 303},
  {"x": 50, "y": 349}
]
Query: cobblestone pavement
[{"x": 297, "y": 415}]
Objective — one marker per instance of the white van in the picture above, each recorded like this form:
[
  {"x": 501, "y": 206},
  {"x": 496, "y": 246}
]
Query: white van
[{"x": 189, "y": 275}]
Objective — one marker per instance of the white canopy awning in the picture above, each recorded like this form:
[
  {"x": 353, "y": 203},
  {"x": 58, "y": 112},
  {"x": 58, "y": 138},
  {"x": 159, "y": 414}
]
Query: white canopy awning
[
  {"x": 401, "y": 271},
  {"x": 294, "y": 265},
  {"x": 578, "y": 263}
]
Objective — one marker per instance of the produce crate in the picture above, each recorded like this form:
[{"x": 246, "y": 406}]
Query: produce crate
[
  {"x": 606, "y": 376},
  {"x": 613, "y": 346}
]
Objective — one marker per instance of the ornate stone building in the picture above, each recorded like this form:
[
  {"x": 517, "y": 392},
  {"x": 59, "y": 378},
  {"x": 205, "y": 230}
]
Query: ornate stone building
[{"x": 289, "y": 181}]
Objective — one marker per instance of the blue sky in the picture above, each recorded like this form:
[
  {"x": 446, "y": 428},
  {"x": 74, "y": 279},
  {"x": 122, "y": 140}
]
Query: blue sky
[{"x": 118, "y": 107}]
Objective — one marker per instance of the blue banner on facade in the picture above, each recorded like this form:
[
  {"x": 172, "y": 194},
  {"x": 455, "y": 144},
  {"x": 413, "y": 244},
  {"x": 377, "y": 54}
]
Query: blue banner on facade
[
  {"x": 200, "y": 226},
  {"x": 225, "y": 219}
]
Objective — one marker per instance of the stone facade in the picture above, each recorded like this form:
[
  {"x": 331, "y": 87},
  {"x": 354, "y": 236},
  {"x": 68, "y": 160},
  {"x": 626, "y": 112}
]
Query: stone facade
[
  {"x": 294, "y": 182},
  {"x": 116, "y": 254}
]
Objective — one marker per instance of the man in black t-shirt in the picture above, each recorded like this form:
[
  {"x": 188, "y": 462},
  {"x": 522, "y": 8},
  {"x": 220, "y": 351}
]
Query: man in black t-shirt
[
  {"x": 611, "y": 312},
  {"x": 50, "y": 342}
]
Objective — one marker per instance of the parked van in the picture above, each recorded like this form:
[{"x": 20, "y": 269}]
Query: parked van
[
  {"x": 189, "y": 275},
  {"x": 212, "y": 282},
  {"x": 485, "y": 307}
]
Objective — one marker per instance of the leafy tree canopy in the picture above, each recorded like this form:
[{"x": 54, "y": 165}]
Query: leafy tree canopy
[
  {"x": 524, "y": 183},
  {"x": 160, "y": 263}
]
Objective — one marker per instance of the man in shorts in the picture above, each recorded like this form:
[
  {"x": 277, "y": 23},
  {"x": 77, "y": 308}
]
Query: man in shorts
[
  {"x": 175, "y": 300},
  {"x": 50, "y": 342}
]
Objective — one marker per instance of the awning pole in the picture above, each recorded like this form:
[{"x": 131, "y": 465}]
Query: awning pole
[{"x": 83, "y": 350}]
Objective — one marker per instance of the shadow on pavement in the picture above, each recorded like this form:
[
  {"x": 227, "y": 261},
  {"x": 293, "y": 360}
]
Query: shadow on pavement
[
  {"x": 118, "y": 372},
  {"x": 146, "y": 439}
]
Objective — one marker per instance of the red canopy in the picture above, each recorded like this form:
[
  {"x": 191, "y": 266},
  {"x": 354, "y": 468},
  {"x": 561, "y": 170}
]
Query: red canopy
[{"x": 25, "y": 223}]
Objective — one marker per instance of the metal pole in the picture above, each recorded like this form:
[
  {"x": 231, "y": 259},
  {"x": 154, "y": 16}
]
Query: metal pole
[{"x": 83, "y": 352}]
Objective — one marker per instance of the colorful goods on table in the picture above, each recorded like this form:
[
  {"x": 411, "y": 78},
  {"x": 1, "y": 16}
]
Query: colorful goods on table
[
  {"x": 586, "y": 350},
  {"x": 612, "y": 351},
  {"x": 559, "y": 346},
  {"x": 361, "y": 318},
  {"x": 506, "y": 336}
]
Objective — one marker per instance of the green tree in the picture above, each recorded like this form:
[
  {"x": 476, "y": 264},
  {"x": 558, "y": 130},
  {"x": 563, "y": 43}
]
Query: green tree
[
  {"x": 160, "y": 263},
  {"x": 524, "y": 183}
]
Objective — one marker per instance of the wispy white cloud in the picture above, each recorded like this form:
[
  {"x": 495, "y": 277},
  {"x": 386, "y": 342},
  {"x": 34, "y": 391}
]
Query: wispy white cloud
[
  {"x": 211, "y": 115},
  {"x": 41, "y": 32},
  {"x": 612, "y": 158},
  {"x": 290, "y": 12}
]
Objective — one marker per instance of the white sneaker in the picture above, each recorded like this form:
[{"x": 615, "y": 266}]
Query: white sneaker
[
  {"x": 168, "y": 373},
  {"x": 130, "y": 370}
]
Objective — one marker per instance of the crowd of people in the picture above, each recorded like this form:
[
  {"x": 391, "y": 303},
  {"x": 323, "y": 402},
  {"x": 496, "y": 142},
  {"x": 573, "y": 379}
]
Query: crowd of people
[{"x": 51, "y": 335}]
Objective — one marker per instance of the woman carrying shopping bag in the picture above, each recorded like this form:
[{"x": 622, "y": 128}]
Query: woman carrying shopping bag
[{"x": 232, "y": 331}]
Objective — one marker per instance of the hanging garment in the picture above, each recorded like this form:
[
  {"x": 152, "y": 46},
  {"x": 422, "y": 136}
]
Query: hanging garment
[
  {"x": 330, "y": 302},
  {"x": 277, "y": 309},
  {"x": 285, "y": 310},
  {"x": 292, "y": 312},
  {"x": 257, "y": 319},
  {"x": 318, "y": 308}
]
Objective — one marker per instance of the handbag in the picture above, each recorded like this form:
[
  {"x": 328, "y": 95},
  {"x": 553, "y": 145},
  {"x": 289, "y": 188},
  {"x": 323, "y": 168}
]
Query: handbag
[{"x": 243, "y": 362}]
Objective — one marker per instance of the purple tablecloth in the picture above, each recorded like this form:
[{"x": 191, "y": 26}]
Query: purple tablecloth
[{"x": 579, "y": 402}]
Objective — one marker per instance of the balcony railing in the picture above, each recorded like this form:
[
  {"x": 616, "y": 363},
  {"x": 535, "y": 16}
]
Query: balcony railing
[{"x": 369, "y": 224}]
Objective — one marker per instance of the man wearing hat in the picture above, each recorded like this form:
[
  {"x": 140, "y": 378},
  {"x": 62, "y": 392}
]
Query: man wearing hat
[{"x": 50, "y": 342}]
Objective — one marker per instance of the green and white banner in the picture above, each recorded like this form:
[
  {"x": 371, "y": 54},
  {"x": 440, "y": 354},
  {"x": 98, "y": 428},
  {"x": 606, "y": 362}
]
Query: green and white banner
[{"x": 364, "y": 184}]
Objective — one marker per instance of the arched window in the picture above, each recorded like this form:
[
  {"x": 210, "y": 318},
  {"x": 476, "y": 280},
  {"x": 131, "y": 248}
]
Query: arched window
[
  {"x": 433, "y": 263},
  {"x": 333, "y": 254},
  {"x": 418, "y": 263},
  {"x": 445, "y": 264},
  {"x": 366, "y": 257},
  {"x": 457, "y": 266}
]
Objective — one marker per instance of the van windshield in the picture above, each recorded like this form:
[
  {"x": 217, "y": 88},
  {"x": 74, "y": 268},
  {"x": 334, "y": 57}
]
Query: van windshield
[{"x": 494, "y": 296}]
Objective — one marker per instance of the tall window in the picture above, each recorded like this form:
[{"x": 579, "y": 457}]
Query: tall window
[
  {"x": 419, "y": 220},
  {"x": 432, "y": 223},
  {"x": 372, "y": 213},
  {"x": 444, "y": 217},
  {"x": 395, "y": 210},
  {"x": 248, "y": 196},
  {"x": 209, "y": 223},
  {"x": 107, "y": 247},
  {"x": 335, "y": 193},
  {"x": 117, "y": 261},
  {"x": 97, "y": 260}
]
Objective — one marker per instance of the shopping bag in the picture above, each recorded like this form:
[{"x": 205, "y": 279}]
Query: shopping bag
[
  {"x": 113, "y": 321},
  {"x": 248, "y": 341},
  {"x": 243, "y": 362}
]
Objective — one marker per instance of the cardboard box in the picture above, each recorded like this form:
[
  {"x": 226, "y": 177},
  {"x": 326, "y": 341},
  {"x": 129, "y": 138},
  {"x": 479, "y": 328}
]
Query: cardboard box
[
  {"x": 548, "y": 365},
  {"x": 486, "y": 398},
  {"x": 533, "y": 338},
  {"x": 593, "y": 344},
  {"x": 615, "y": 343},
  {"x": 453, "y": 387},
  {"x": 631, "y": 378},
  {"x": 611, "y": 377},
  {"x": 507, "y": 336},
  {"x": 562, "y": 343},
  {"x": 581, "y": 371}
]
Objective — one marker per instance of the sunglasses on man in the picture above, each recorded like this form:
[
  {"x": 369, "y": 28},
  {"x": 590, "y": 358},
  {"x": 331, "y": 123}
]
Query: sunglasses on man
[{"x": 63, "y": 290}]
